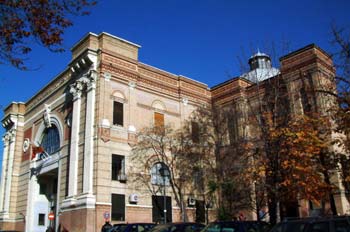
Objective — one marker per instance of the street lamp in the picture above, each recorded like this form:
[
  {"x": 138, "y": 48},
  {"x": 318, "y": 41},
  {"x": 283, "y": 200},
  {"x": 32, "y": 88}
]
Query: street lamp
[{"x": 164, "y": 172}]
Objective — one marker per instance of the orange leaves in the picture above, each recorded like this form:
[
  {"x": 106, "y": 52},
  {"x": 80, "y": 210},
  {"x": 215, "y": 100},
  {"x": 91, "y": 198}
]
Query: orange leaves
[
  {"x": 301, "y": 142},
  {"x": 42, "y": 20}
]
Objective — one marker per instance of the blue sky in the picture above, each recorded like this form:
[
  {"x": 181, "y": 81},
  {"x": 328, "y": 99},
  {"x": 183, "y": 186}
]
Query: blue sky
[{"x": 198, "y": 39}]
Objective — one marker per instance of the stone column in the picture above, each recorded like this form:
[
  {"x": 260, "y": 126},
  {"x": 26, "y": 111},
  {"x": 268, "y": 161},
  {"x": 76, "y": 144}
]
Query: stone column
[
  {"x": 75, "y": 90},
  {"x": 11, "y": 154},
  {"x": 3, "y": 174},
  {"x": 89, "y": 135}
]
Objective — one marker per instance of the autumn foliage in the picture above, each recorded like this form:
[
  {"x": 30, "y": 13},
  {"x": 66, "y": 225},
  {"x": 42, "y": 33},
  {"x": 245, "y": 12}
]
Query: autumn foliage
[
  {"x": 41, "y": 20},
  {"x": 301, "y": 147}
]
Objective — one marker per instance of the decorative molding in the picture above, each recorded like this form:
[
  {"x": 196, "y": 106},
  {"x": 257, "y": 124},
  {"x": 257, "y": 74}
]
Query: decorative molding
[
  {"x": 47, "y": 116},
  {"x": 5, "y": 139},
  {"x": 132, "y": 84},
  {"x": 131, "y": 129},
  {"x": 86, "y": 61},
  {"x": 11, "y": 134},
  {"x": 122, "y": 74},
  {"x": 105, "y": 134},
  {"x": 26, "y": 145},
  {"x": 107, "y": 76},
  {"x": 119, "y": 99},
  {"x": 9, "y": 122},
  {"x": 119, "y": 62},
  {"x": 158, "y": 77},
  {"x": 92, "y": 80},
  {"x": 157, "y": 110},
  {"x": 76, "y": 89}
]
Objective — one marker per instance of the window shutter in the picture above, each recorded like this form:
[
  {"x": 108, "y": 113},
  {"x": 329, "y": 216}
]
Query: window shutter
[{"x": 158, "y": 119}]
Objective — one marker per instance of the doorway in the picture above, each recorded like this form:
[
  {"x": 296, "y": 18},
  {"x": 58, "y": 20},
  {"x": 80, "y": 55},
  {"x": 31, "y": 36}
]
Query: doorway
[{"x": 158, "y": 209}]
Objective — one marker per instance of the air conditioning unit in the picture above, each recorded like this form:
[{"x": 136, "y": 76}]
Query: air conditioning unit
[
  {"x": 191, "y": 201},
  {"x": 122, "y": 177},
  {"x": 133, "y": 198}
]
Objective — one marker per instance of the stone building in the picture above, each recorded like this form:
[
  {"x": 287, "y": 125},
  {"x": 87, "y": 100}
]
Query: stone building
[{"x": 86, "y": 119}]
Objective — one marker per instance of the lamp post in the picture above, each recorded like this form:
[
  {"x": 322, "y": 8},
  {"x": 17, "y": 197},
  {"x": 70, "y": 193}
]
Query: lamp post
[{"x": 164, "y": 172}]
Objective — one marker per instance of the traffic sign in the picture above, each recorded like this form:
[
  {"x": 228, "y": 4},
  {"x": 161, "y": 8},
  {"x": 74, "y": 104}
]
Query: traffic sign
[
  {"x": 51, "y": 216},
  {"x": 106, "y": 215}
]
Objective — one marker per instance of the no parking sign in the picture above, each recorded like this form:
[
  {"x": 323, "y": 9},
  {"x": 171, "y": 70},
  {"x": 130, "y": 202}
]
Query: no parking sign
[{"x": 51, "y": 216}]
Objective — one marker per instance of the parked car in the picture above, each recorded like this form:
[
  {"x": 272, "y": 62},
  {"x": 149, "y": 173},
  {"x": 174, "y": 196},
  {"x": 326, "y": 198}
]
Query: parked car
[
  {"x": 178, "y": 227},
  {"x": 237, "y": 226},
  {"x": 132, "y": 227},
  {"x": 316, "y": 224}
]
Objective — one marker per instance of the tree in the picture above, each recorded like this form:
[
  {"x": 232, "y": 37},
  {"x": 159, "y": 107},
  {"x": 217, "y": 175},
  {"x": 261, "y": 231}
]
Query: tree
[
  {"x": 223, "y": 136},
  {"x": 290, "y": 150},
  {"x": 341, "y": 55},
  {"x": 173, "y": 149},
  {"x": 41, "y": 20}
]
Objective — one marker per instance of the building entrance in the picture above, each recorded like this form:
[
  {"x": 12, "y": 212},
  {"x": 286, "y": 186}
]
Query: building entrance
[
  {"x": 45, "y": 202},
  {"x": 158, "y": 209}
]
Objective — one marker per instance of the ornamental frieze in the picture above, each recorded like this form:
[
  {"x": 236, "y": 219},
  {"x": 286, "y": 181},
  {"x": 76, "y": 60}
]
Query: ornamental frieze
[
  {"x": 128, "y": 76},
  {"x": 119, "y": 62},
  {"x": 152, "y": 85},
  {"x": 158, "y": 77},
  {"x": 193, "y": 88}
]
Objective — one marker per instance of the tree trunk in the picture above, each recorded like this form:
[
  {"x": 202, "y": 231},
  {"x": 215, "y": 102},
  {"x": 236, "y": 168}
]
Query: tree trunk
[
  {"x": 330, "y": 194},
  {"x": 274, "y": 208}
]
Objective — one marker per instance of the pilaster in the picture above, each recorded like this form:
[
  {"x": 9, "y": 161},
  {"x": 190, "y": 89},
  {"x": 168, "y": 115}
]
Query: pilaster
[
  {"x": 6, "y": 140},
  {"x": 12, "y": 141},
  {"x": 89, "y": 135},
  {"x": 76, "y": 91}
]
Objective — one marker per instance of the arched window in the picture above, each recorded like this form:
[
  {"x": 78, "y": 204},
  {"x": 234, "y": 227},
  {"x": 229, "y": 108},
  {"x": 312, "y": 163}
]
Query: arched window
[
  {"x": 160, "y": 174},
  {"x": 51, "y": 140}
]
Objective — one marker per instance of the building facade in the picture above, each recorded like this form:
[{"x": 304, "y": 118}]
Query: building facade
[{"x": 86, "y": 119}]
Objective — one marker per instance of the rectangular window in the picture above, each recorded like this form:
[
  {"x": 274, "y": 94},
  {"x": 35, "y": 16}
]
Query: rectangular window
[
  {"x": 41, "y": 219},
  {"x": 158, "y": 120},
  {"x": 118, "y": 207},
  {"x": 42, "y": 188},
  {"x": 232, "y": 125},
  {"x": 118, "y": 168},
  {"x": 118, "y": 114}
]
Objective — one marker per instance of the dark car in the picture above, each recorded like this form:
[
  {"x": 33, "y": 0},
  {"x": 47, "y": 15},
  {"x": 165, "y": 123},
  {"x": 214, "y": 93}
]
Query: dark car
[
  {"x": 132, "y": 227},
  {"x": 178, "y": 227},
  {"x": 237, "y": 226},
  {"x": 316, "y": 224}
]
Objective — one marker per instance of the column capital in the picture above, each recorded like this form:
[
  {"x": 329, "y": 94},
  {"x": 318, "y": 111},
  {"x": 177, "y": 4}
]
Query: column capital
[
  {"x": 92, "y": 76},
  {"x": 76, "y": 89},
  {"x": 107, "y": 76},
  {"x": 6, "y": 139},
  {"x": 9, "y": 136},
  {"x": 132, "y": 84}
]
